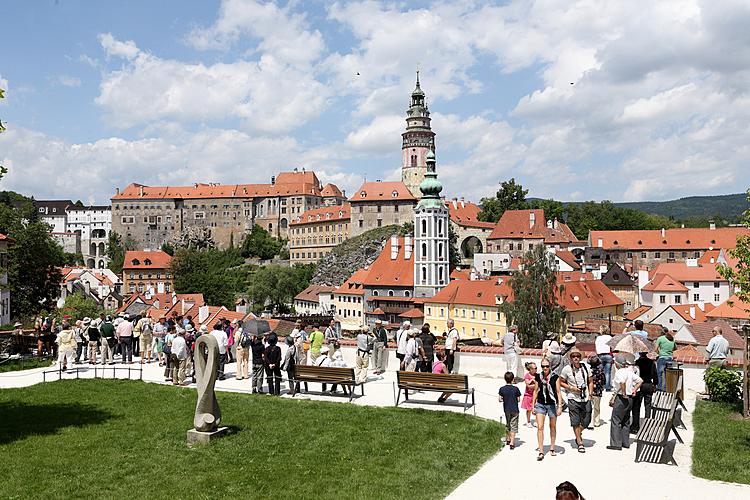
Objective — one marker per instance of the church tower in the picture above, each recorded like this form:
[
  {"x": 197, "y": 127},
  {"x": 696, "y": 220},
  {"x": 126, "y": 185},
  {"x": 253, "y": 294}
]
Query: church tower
[
  {"x": 418, "y": 140},
  {"x": 431, "y": 250}
]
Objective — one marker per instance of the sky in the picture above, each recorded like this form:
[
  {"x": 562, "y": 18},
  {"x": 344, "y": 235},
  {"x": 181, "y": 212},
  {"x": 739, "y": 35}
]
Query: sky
[{"x": 576, "y": 100}]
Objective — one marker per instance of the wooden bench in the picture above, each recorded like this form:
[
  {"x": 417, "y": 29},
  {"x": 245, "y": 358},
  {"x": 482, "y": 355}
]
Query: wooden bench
[
  {"x": 652, "y": 441},
  {"x": 434, "y": 382},
  {"x": 662, "y": 403},
  {"x": 327, "y": 375}
]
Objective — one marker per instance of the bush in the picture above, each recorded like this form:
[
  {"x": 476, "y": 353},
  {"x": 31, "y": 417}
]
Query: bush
[{"x": 723, "y": 384}]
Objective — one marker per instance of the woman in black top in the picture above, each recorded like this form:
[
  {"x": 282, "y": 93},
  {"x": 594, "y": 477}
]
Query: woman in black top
[
  {"x": 546, "y": 401},
  {"x": 272, "y": 362},
  {"x": 647, "y": 371}
]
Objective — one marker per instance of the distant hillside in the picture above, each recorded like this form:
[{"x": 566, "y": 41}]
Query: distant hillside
[{"x": 729, "y": 207}]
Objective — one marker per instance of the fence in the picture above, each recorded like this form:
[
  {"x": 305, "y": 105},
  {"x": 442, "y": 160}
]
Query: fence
[{"x": 97, "y": 370}]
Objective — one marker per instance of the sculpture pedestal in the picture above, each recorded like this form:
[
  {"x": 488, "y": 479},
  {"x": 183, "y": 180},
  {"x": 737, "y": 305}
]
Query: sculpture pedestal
[{"x": 198, "y": 437}]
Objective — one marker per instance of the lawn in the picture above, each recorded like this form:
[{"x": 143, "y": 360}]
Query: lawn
[
  {"x": 12, "y": 365},
  {"x": 115, "y": 438},
  {"x": 721, "y": 443}
]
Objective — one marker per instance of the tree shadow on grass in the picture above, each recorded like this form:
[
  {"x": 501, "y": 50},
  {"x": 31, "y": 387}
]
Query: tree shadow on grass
[{"x": 20, "y": 420}]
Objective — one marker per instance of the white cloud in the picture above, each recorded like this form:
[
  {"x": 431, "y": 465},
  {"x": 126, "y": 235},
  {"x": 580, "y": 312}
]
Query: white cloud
[
  {"x": 381, "y": 135},
  {"x": 67, "y": 80},
  {"x": 115, "y": 48}
]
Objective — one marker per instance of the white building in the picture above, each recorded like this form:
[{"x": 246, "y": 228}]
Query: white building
[
  {"x": 700, "y": 284},
  {"x": 93, "y": 223},
  {"x": 315, "y": 299},
  {"x": 431, "y": 236},
  {"x": 487, "y": 264}
]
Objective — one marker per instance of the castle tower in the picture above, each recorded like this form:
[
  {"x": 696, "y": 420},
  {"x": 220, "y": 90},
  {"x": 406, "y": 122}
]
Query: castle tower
[
  {"x": 431, "y": 249},
  {"x": 418, "y": 140}
]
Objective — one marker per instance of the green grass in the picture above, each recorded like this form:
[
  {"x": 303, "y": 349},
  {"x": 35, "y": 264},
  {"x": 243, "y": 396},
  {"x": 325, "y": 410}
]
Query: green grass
[
  {"x": 110, "y": 438},
  {"x": 721, "y": 443},
  {"x": 13, "y": 365}
]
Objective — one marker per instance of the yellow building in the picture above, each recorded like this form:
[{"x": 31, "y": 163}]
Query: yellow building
[
  {"x": 474, "y": 306},
  {"x": 348, "y": 301},
  {"x": 314, "y": 233}
]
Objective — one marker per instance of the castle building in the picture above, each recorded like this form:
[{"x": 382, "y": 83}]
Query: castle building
[
  {"x": 431, "y": 235},
  {"x": 316, "y": 232},
  {"x": 418, "y": 141}
]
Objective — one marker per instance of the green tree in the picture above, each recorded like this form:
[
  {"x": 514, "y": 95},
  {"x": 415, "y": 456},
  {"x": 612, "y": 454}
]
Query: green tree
[
  {"x": 453, "y": 254},
  {"x": 3, "y": 170},
  {"x": 218, "y": 274},
  {"x": 116, "y": 248},
  {"x": 73, "y": 259},
  {"x": 259, "y": 243},
  {"x": 534, "y": 308},
  {"x": 553, "y": 209},
  {"x": 167, "y": 248},
  {"x": 275, "y": 286},
  {"x": 510, "y": 196},
  {"x": 79, "y": 307}
]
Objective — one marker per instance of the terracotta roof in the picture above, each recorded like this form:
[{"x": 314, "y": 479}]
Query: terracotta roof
[
  {"x": 564, "y": 277},
  {"x": 377, "y": 312},
  {"x": 591, "y": 325},
  {"x": 460, "y": 274},
  {"x": 684, "y": 311},
  {"x": 664, "y": 283},
  {"x": 311, "y": 293},
  {"x": 673, "y": 239},
  {"x": 589, "y": 294},
  {"x": 354, "y": 286},
  {"x": 331, "y": 190},
  {"x": 635, "y": 313},
  {"x": 682, "y": 272},
  {"x": 322, "y": 214},
  {"x": 478, "y": 293},
  {"x": 465, "y": 213},
  {"x": 733, "y": 308},
  {"x": 517, "y": 224},
  {"x": 378, "y": 191},
  {"x": 568, "y": 258},
  {"x": 385, "y": 271},
  {"x": 412, "y": 313},
  {"x": 136, "y": 259},
  {"x": 702, "y": 332}
]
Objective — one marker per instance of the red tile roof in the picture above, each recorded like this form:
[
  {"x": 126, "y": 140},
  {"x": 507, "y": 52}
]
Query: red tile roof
[
  {"x": 664, "y": 283},
  {"x": 136, "y": 259},
  {"x": 568, "y": 258},
  {"x": 322, "y": 214},
  {"x": 412, "y": 313},
  {"x": 385, "y": 271},
  {"x": 682, "y": 272},
  {"x": 477, "y": 293},
  {"x": 465, "y": 213},
  {"x": 684, "y": 311},
  {"x": 377, "y": 312},
  {"x": 733, "y": 308},
  {"x": 516, "y": 224},
  {"x": 379, "y": 191},
  {"x": 585, "y": 295},
  {"x": 331, "y": 190},
  {"x": 460, "y": 274},
  {"x": 702, "y": 332},
  {"x": 354, "y": 286},
  {"x": 312, "y": 292},
  {"x": 635, "y": 313},
  {"x": 673, "y": 239}
]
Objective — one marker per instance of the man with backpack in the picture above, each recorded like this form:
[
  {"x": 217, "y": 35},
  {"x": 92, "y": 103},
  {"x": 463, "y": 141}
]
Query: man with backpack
[
  {"x": 257, "y": 348},
  {"x": 579, "y": 385},
  {"x": 146, "y": 336},
  {"x": 107, "y": 331},
  {"x": 242, "y": 340}
]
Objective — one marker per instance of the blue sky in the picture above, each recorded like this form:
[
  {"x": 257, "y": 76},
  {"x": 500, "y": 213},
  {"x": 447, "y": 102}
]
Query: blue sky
[{"x": 576, "y": 100}]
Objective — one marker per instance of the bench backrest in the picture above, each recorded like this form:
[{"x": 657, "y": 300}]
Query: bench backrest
[
  {"x": 446, "y": 382},
  {"x": 323, "y": 373}
]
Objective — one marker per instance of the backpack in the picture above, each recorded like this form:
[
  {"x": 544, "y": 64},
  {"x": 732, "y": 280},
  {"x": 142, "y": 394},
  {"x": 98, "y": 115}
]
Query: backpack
[
  {"x": 146, "y": 328},
  {"x": 245, "y": 340}
]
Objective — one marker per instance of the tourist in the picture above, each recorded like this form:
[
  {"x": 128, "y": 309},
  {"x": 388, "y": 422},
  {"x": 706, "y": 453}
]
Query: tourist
[
  {"x": 299, "y": 328},
  {"x": 664, "y": 347},
  {"x": 107, "y": 332},
  {"x": 428, "y": 340},
  {"x": 509, "y": 396},
  {"x": 440, "y": 368},
  {"x": 597, "y": 375},
  {"x": 168, "y": 338},
  {"x": 331, "y": 337},
  {"x": 160, "y": 331},
  {"x": 256, "y": 355},
  {"x": 647, "y": 371},
  {"x": 566, "y": 347},
  {"x": 402, "y": 338},
  {"x": 93, "y": 335},
  {"x": 511, "y": 346},
  {"x": 552, "y": 351},
  {"x": 338, "y": 362},
  {"x": 300, "y": 339},
  {"x": 323, "y": 361},
  {"x": 578, "y": 384},
  {"x": 316, "y": 342},
  {"x": 221, "y": 338},
  {"x": 639, "y": 331},
  {"x": 364, "y": 346},
  {"x": 125, "y": 337},
  {"x": 66, "y": 346},
  {"x": 146, "y": 339},
  {"x": 242, "y": 340},
  {"x": 528, "y": 395},
  {"x": 379, "y": 351},
  {"x": 287, "y": 365},
  {"x": 547, "y": 403},
  {"x": 231, "y": 346},
  {"x": 80, "y": 329},
  {"x": 567, "y": 491},
  {"x": 717, "y": 348},
  {"x": 272, "y": 362},
  {"x": 604, "y": 352},
  {"x": 451, "y": 345},
  {"x": 412, "y": 352},
  {"x": 625, "y": 385},
  {"x": 179, "y": 359}
]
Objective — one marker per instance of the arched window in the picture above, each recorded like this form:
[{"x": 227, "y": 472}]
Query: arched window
[
  {"x": 424, "y": 274},
  {"x": 407, "y": 293},
  {"x": 441, "y": 278},
  {"x": 413, "y": 160},
  {"x": 440, "y": 227},
  {"x": 440, "y": 251},
  {"x": 390, "y": 293},
  {"x": 374, "y": 293},
  {"x": 424, "y": 251},
  {"x": 424, "y": 227}
]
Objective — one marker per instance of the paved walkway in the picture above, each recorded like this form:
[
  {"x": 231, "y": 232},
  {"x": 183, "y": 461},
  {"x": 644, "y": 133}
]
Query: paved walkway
[{"x": 599, "y": 473}]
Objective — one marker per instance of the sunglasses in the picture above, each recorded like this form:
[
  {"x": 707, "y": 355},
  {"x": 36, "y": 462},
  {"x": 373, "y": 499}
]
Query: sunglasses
[{"x": 545, "y": 366}]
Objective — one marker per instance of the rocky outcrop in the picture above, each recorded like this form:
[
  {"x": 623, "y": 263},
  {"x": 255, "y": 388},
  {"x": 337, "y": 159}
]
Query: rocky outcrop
[{"x": 353, "y": 254}]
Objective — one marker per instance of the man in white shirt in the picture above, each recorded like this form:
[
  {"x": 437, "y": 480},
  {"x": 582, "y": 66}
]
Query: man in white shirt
[
  {"x": 451, "y": 345},
  {"x": 579, "y": 385},
  {"x": 604, "y": 352},
  {"x": 717, "y": 348},
  {"x": 412, "y": 352},
  {"x": 625, "y": 385},
  {"x": 221, "y": 338},
  {"x": 179, "y": 359},
  {"x": 402, "y": 337}
]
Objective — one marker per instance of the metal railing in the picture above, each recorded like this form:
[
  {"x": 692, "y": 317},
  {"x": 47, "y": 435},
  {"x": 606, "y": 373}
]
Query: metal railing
[{"x": 97, "y": 370}]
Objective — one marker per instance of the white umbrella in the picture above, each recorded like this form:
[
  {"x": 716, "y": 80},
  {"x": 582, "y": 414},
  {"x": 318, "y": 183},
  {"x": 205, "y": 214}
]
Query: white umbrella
[{"x": 632, "y": 344}]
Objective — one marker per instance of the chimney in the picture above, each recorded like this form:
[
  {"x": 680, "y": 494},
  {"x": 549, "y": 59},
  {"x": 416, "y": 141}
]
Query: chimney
[
  {"x": 273, "y": 180},
  {"x": 713, "y": 261},
  {"x": 174, "y": 297},
  {"x": 549, "y": 224},
  {"x": 711, "y": 225},
  {"x": 407, "y": 247},
  {"x": 555, "y": 223},
  {"x": 532, "y": 219},
  {"x": 87, "y": 287},
  {"x": 394, "y": 247},
  {"x": 118, "y": 190},
  {"x": 599, "y": 243},
  {"x": 663, "y": 232},
  {"x": 295, "y": 170},
  {"x": 141, "y": 190},
  {"x": 692, "y": 312}
]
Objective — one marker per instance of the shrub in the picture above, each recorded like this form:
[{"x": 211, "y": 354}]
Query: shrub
[{"x": 723, "y": 384}]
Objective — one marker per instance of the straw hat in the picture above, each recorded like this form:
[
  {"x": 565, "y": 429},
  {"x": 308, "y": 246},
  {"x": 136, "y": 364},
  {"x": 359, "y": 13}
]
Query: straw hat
[{"x": 569, "y": 338}]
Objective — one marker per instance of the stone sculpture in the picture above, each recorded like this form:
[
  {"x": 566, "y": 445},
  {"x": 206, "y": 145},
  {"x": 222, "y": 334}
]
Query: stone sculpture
[{"x": 207, "y": 412}]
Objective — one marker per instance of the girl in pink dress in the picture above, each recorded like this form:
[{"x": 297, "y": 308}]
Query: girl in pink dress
[{"x": 528, "y": 396}]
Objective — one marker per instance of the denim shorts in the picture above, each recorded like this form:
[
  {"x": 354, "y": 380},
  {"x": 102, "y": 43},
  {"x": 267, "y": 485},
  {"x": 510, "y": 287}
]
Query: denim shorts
[{"x": 549, "y": 410}]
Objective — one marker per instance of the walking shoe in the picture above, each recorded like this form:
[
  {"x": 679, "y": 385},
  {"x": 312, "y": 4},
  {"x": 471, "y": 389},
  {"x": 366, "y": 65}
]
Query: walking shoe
[{"x": 614, "y": 447}]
